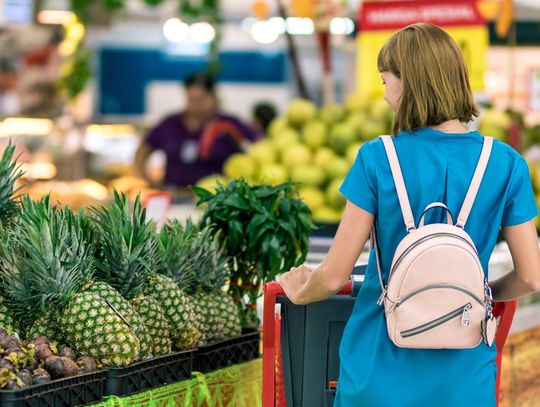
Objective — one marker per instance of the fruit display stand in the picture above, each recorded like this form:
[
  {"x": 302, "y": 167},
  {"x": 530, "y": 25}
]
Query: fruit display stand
[
  {"x": 228, "y": 352},
  {"x": 79, "y": 390},
  {"x": 149, "y": 374}
]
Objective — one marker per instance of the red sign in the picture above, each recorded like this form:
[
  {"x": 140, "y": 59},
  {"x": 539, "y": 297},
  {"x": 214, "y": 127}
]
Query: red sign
[{"x": 392, "y": 15}]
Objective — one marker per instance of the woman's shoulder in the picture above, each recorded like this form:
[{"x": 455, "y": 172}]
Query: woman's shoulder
[{"x": 504, "y": 152}]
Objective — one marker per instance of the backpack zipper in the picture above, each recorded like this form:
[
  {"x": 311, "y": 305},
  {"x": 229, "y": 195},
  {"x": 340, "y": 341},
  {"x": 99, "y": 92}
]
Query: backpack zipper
[
  {"x": 418, "y": 242},
  {"x": 463, "y": 311},
  {"x": 401, "y": 300}
]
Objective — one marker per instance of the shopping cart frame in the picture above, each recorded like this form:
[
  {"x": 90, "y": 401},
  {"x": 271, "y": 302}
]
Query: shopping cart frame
[{"x": 273, "y": 394}]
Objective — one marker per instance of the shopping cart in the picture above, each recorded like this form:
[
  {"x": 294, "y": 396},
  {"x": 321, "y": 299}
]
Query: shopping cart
[{"x": 301, "y": 369}]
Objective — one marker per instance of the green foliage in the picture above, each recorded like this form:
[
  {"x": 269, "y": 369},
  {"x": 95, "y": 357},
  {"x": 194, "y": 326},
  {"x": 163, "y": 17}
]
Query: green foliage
[
  {"x": 265, "y": 231},
  {"x": 80, "y": 7},
  {"x": 263, "y": 225}
]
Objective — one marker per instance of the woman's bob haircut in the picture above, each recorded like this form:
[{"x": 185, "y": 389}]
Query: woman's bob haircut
[{"x": 435, "y": 83}]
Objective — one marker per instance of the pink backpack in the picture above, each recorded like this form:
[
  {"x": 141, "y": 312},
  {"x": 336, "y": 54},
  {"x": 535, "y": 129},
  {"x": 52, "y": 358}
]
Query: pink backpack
[{"x": 436, "y": 296}]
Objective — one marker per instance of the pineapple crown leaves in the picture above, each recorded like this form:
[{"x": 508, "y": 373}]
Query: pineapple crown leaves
[
  {"x": 17, "y": 290},
  {"x": 52, "y": 253},
  {"x": 193, "y": 258},
  {"x": 10, "y": 172},
  {"x": 262, "y": 227},
  {"x": 173, "y": 248},
  {"x": 126, "y": 252}
]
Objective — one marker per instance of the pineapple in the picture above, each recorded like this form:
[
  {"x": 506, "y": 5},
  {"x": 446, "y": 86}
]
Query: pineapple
[
  {"x": 211, "y": 277},
  {"x": 9, "y": 174},
  {"x": 184, "y": 332},
  {"x": 119, "y": 304},
  {"x": 45, "y": 325},
  {"x": 200, "y": 275},
  {"x": 53, "y": 270},
  {"x": 128, "y": 314},
  {"x": 170, "y": 244},
  {"x": 125, "y": 258},
  {"x": 227, "y": 309}
]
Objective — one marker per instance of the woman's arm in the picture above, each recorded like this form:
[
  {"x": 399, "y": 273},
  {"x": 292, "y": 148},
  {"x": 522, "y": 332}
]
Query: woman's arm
[
  {"x": 304, "y": 286},
  {"x": 525, "y": 278}
]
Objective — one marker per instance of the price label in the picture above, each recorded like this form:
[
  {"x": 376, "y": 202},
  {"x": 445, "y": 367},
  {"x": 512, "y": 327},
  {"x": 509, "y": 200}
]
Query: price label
[{"x": 157, "y": 207}]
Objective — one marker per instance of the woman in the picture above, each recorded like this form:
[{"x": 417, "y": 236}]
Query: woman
[
  {"x": 426, "y": 85},
  {"x": 196, "y": 141}
]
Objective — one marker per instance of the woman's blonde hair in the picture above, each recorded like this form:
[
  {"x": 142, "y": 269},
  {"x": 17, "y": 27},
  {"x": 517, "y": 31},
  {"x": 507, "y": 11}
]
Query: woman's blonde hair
[{"x": 435, "y": 82}]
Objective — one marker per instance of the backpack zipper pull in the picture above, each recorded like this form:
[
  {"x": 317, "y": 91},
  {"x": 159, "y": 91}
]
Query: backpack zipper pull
[
  {"x": 466, "y": 316},
  {"x": 383, "y": 296},
  {"x": 394, "y": 305}
]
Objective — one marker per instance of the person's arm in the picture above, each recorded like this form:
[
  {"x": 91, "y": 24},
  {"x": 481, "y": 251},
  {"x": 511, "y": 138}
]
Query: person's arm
[
  {"x": 525, "y": 278},
  {"x": 303, "y": 286},
  {"x": 141, "y": 156}
]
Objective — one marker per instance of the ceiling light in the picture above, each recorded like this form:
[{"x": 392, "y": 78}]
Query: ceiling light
[
  {"x": 264, "y": 32},
  {"x": 341, "y": 26},
  {"x": 175, "y": 30},
  {"x": 300, "y": 26}
]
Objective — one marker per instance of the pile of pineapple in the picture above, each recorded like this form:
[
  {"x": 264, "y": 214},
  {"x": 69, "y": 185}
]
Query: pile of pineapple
[{"x": 105, "y": 282}]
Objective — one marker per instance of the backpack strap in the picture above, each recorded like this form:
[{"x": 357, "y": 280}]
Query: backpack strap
[
  {"x": 399, "y": 182},
  {"x": 475, "y": 183},
  {"x": 375, "y": 247}
]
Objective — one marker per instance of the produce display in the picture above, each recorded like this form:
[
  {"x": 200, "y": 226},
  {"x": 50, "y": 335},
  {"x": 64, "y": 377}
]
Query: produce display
[
  {"x": 103, "y": 287},
  {"x": 313, "y": 148}
]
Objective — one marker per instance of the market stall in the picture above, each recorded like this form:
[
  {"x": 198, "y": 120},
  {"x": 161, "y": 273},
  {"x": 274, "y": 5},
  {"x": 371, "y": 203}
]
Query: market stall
[{"x": 121, "y": 288}]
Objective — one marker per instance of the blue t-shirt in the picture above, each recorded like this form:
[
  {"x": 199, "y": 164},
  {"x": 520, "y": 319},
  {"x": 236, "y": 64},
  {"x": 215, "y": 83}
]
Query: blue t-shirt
[{"x": 437, "y": 167}]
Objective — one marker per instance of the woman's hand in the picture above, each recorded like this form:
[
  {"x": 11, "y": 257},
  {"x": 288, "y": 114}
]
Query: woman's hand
[{"x": 293, "y": 282}]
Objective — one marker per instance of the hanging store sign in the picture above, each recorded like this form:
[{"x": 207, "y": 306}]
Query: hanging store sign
[{"x": 460, "y": 18}]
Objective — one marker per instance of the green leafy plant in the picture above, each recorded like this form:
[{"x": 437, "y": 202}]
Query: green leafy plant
[{"x": 265, "y": 231}]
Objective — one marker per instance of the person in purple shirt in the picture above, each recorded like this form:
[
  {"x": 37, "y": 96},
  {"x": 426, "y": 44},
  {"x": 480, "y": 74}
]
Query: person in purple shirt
[{"x": 196, "y": 141}]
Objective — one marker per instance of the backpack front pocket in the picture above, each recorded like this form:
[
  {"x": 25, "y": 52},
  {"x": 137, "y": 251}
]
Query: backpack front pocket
[
  {"x": 461, "y": 311},
  {"x": 436, "y": 316}
]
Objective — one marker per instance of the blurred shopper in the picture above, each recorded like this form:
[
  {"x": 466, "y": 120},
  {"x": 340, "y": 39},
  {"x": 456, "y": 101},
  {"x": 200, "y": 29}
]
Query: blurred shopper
[
  {"x": 196, "y": 141},
  {"x": 426, "y": 84}
]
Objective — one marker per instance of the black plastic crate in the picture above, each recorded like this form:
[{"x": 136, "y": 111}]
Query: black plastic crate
[
  {"x": 228, "y": 352},
  {"x": 73, "y": 391},
  {"x": 150, "y": 373}
]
